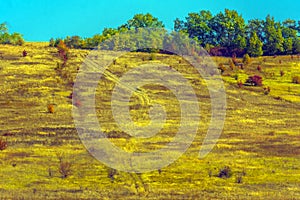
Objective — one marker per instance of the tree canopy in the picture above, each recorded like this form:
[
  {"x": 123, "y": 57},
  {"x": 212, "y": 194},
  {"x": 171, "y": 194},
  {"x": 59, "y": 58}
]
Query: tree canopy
[{"x": 224, "y": 34}]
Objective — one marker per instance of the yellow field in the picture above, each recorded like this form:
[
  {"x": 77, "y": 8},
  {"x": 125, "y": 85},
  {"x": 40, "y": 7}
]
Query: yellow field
[{"x": 260, "y": 142}]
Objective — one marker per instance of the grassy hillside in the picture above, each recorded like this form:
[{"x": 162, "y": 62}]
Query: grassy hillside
[{"x": 259, "y": 149}]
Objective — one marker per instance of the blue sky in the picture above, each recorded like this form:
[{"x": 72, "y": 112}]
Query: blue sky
[{"x": 41, "y": 20}]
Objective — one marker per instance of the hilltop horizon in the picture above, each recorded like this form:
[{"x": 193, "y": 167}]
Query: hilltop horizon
[{"x": 40, "y": 21}]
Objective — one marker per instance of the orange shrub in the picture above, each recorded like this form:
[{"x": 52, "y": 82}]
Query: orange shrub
[{"x": 50, "y": 108}]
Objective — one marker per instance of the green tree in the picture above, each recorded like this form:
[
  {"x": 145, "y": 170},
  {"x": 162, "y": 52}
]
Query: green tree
[
  {"x": 256, "y": 25},
  {"x": 288, "y": 45},
  {"x": 255, "y": 46},
  {"x": 16, "y": 39},
  {"x": 229, "y": 29},
  {"x": 197, "y": 26},
  {"x": 143, "y": 21},
  {"x": 3, "y": 28},
  {"x": 273, "y": 37},
  {"x": 179, "y": 25},
  {"x": 289, "y": 33},
  {"x": 51, "y": 42},
  {"x": 6, "y": 38}
]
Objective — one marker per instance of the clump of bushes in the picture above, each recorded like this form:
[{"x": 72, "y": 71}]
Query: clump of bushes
[
  {"x": 296, "y": 79},
  {"x": 254, "y": 80},
  {"x": 3, "y": 144}
]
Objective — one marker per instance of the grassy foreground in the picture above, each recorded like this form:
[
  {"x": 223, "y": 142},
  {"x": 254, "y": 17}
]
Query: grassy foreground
[{"x": 258, "y": 152}]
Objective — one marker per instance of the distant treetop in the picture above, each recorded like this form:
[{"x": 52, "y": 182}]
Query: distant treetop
[{"x": 6, "y": 38}]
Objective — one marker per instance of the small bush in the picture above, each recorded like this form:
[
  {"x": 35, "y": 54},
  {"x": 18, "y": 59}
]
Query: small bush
[
  {"x": 50, "y": 108},
  {"x": 239, "y": 178},
  {"x": 225, "y": 172},
  {"x": 246, "y": 59},
  {"x": 240, "y": 84},
  {"x": 236, "y": 77},
  {"x": 3, "y": 144},
  {"x": 296, "y": 79},
  {"x": 254, "y": 80},
  {"x": 222, "y": 68},
  {"x": 24, "y": 53},
  {"x": 232, "y": 64},
  {"x": 152, "y": 56},
  {"x": 234, "y": 59},
  {"x": 65, "y": 169},
  {"x": 111, "y": 174},
  {"x": 259, "y": 68},
  {"x": 77, "y": 103},
  {"x": 282, "y": 73},
  {"x": 267, "y": 90},
  {"x": 63, "y": 51}
]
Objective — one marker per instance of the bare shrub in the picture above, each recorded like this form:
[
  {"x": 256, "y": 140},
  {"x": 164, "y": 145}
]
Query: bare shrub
[
  {"x": 65, "y": 169},
  {"x": 225, "y": 172},
  {"x": 3, "y": 144}
]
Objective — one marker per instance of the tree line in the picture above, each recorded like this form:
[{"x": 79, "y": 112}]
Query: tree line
[
  {"x": 6, "y": 38},
  {"x": 227, "y": 33},
  {"x": 223, "y": 34}
]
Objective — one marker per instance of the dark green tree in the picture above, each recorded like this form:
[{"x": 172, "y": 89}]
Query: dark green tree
[
  {"x": 273, "y": 37},
  {"x": 198, "y": 26},
  {"x": 289, "y": 33},
  {"x": 255, "y": 45},
  {"x": 256, "y": 25},
  {"x": 229, "y": 29}
]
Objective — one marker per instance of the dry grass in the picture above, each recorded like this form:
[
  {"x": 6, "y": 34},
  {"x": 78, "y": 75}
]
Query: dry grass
[{"x": 260, "y": 139}]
